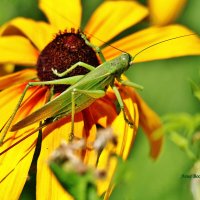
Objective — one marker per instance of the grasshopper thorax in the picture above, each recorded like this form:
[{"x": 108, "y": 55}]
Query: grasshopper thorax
[{"x": 65, "y": 50}]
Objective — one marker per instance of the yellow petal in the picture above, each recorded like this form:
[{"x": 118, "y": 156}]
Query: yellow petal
[
  {"x": 125, "y": 137},
  {"x": 47, "y": 185},
  {"x": 6, "y": 69},
  {"x": 164, "y": 12},
  {"x": 150, "y": 122},
  {"x": 17, "y": 50},
  {"x": 109, "y": 164},
  {"x": 108, "y": 111},
  {"x": 15, "y": 164},
  {"x": 133, "y": 44},
  {"x": 18, "y": 77},
  {"x": 16, "y": 153},
  {"x": 39, "y": 33},
  {"x": 112, "y": 17},
  {"x": 89, "y": 131},
  {"x": 62, "y": 14},
  {"x": 9, "y": 99}
]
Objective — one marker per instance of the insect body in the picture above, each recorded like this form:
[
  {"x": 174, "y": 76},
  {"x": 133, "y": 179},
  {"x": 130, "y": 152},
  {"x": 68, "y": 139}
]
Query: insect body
[
  {"x": 84, "y": 90},
  {"x": 83, "y": 93}
]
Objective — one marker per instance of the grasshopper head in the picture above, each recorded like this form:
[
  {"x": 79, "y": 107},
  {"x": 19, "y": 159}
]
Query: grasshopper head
[{"x": 125, "y": 60}]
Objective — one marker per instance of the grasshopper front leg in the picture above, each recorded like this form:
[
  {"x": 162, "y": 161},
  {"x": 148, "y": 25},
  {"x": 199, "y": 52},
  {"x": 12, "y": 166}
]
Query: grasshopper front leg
[
  {"x": 96, "y": 48},
  {"x": 131, "y": 84},
  {"x": 82, "y": 64}
]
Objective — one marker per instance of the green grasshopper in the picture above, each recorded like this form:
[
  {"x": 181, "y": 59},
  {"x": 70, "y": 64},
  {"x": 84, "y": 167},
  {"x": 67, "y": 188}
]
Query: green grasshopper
[{"x": 84, "y": 90}]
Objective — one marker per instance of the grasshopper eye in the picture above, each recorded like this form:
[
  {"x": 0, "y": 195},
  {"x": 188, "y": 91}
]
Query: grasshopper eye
[{"x": 60, "y": 54}]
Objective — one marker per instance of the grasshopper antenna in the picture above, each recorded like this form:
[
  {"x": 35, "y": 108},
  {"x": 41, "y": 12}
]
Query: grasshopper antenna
[
  {"x": 105, "y": 43},
  {"x": 155, "y": 44}
]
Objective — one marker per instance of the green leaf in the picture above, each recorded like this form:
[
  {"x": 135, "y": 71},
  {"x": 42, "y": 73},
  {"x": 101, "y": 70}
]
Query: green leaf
[
  {"x": 195, "y": 89},
  {"x": 80, "y": 186}
]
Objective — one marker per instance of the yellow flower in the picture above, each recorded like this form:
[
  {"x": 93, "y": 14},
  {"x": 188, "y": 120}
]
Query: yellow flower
[
  {"x": 165, "y": 12},
  {"x": 21, "y": 42}
]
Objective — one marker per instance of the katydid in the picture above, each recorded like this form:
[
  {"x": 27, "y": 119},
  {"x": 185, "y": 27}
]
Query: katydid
[{"x": 84, "y": 90}]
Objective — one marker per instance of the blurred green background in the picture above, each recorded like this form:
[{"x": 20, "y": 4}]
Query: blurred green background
[{"x": 167, "y": 90}]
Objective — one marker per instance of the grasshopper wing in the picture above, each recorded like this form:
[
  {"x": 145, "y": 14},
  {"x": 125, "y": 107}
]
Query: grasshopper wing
[{"x": 49, "y": 110}]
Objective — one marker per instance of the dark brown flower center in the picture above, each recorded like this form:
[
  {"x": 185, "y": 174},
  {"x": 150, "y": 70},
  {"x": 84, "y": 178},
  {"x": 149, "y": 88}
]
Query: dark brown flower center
[{"x": 65, "y": 50}]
